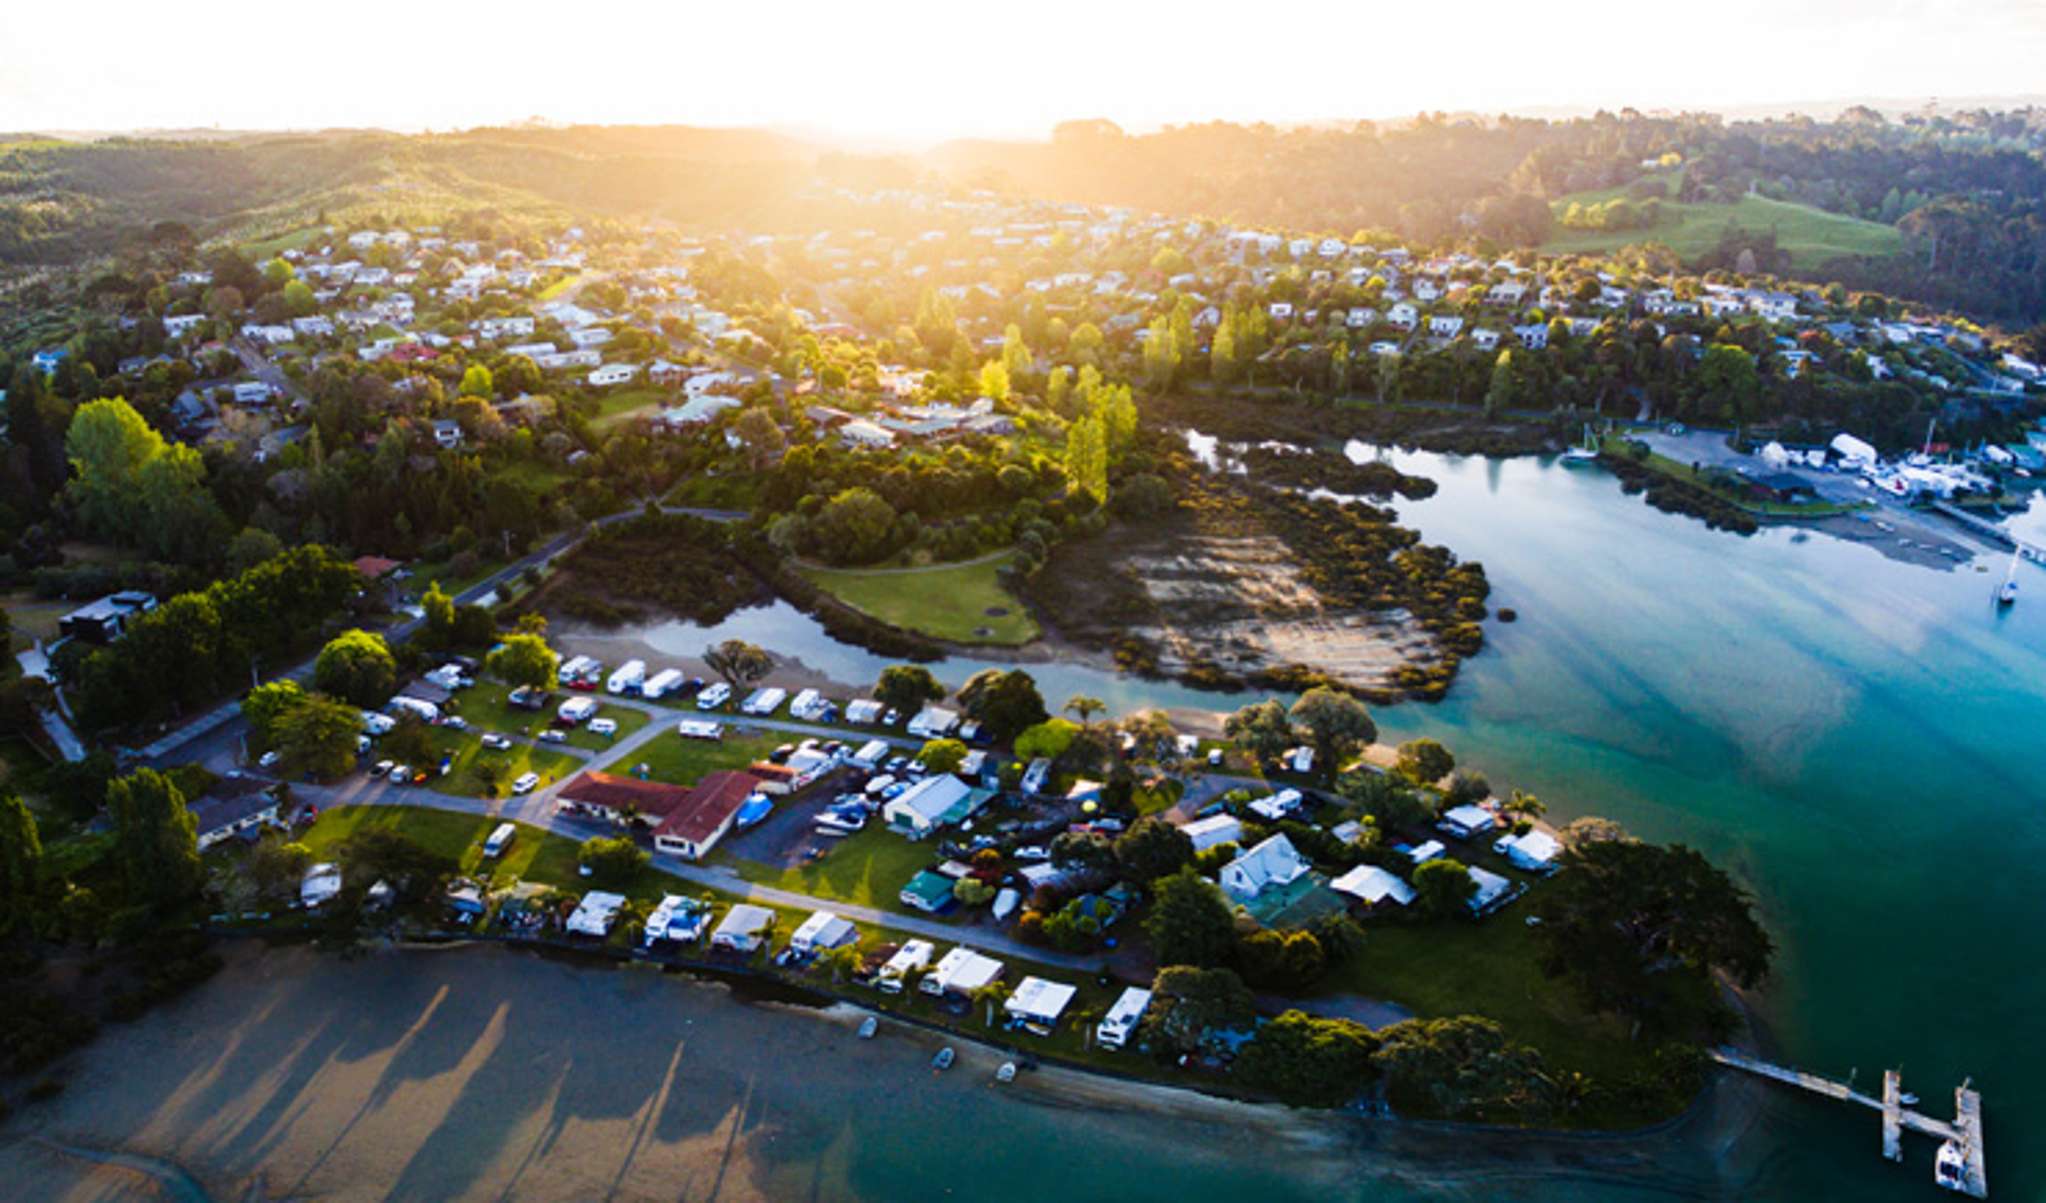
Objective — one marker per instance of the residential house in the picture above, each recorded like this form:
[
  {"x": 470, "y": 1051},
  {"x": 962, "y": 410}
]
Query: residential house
[
  {"x": 1403, "y": 316},
  {"x": 1445, "y": 325},
  {"x": 107, "y": 619},
  {"x": 1483, "y": 339},
  {"x": 694, "y": 825},
  {"x": 613, "y": 373},
  {"x": 1273, "y": 864},
  {"x": 1466, "y": 821},
  {"x": 1373, "y": 886},
  {"x": 1215, "y": 829},
  {"x": 1534, "y": 336},
  {"x": 232, "y": 806}
]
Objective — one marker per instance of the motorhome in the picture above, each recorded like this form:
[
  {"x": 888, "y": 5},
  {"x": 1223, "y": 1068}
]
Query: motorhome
[
  {"x": 500, "y": 840},
  {"x": 714, "y": 696},
  {"x": 629, "y": 677}
]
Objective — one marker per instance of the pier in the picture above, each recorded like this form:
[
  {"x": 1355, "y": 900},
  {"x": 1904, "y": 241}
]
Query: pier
[
  {"x": 1965, "y": 1130},
  {"x": 1991, "y": 531}
]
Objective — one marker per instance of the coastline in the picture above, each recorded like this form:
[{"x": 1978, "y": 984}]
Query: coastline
[{"x": 311, "y": 1091}]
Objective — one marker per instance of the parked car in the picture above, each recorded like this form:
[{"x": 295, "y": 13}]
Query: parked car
[
  {"x": 381, "y": 768},
  {"x": 455, "y": 722},
  {"x": 496, "y": 742},
  {"x": 269, "y": 759},
  {"x": 402, "y": 774},
  {"x": 603, "y": 726},
  {"x": 525, "y": 783},
  {"x": 1215, "y": 758},
  {"x": 1031, "y": 852},
  {"x": 553, "y": 735}
]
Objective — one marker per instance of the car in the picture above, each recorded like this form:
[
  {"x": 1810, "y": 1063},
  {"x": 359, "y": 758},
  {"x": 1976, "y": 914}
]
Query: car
[
  {"x": 269, "y": 759},
  {"x": 455, "y": 722},
  {"x": 496, "y": 742},
  {"x": 892, "y": 718},
  {"x": 402, "y": 774},
  {"x": 362, "y": 745},
  {"x": 553, "y": 735},
  {"x": 381, "y": 768},
  {"x": 896, "y": 765},
  {"x": 419, "y": 776},
  {"x": 525, "y": 783},
  {"x": 1215, "y": 758},
  {"x": 603, "y": 726},
  {"x": 1031, "y": 852}
]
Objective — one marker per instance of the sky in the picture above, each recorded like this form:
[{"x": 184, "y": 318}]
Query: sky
[{"x": 907, "y": 71}]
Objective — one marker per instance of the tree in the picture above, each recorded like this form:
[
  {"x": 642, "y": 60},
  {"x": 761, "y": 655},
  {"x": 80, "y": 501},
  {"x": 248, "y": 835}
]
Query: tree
[
  {"x": 1730, "y": 380},
  {"x": 613, "y": 861},
  {"x": 1048, "y": 739},
  {"x": 740, "y": 663},
  {"x": 906, "y": 687},
  {"x": 1004, "y": 702},
  {"x": 972, "y": 891},
  {"x": 357, "y": 666},
  {"x": 1261, "y": 729},
  {"x": 1592, "y": 829},
  {"x": 524, "y": 660},
  {"x": 276, "y": 867},
  {"x": 1190, "y": 922},
  {"x": 318, "y": 736},
  {"x": 842, "y": 961},
  {"x": 763, "y": 437},
  {"x": 1153, "y": 848},
  {"x": 1444, "y": 887},
  {"x": 1458, "y": 1066},
  {"x": 1388, "y": 377},
  {"x": 477, "y": 382},
  {"x": 109, "y": 444},
  {"x": 156, "y": 837},
  {"x": 21, "y": 862},
  {"x": 1304, "y": 1059},
  {"x": 266, "y": 704},
  {"x": 1392, "y": 802},
  {"x": 1424, "y": 761},
  {"x": 1500, "y": 393},
  {"x": 991, "y": 995},
  {"x": 1337, "y": 723},
  {"x": 519, "y": 376},
  {"x": 1085, "y": 851},
  {"x": 1188, "y": 1002},
  {"x": 250, "y": 547},
  {"x": 1624, "y": 919},
  {"x": 1084, "y": 706},
  {"x": 439, "y": 609},
  {"x": 994, "y": 380},
  {"x": 1523, "y": 805},
  {"x": 942, "y": 755},
  {"x": 413, "y": 871},
  {"x": 1087, "y": 459},
  {"x": 1289, "y": 960},
  {"x": 856, "y": 526}
]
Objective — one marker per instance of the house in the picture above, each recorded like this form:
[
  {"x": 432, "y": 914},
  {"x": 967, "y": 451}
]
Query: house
[
  {"x": 595, "y": 914},
  {"x": 1282, "y": 805},
  {"x": 1273, "y": 864},
  {"x": 928, "y": 892},
  {"x": 231, "y": 806},
  {"x": 698, "y": 411},
  {"x": 1037, "y": 1003},
  {"x": 1425, "y": 853},
  {"x": 176, "y": 325},
  {"x": 447, "y": 434},
  {"x": 107, "y": 619},
  {"x": 694, "y": 825},
  {"x": 961, "y": 972},
  {"x": 1215, "y": 829},
  {"x": 933, "y": 722},
  {"x": 1485, "y": 340},
  {"x": 862, "y": 433},
  {"x": 1492, "y": 893},
  {"x": 1372, "y": 886},
  {"x": 1403, "y": 316},
  {"x": 613, "y": 373},
  {"x": 1122, "y": 1019},
  {"x": 939, "y": 800},
  {"x": 1466, "y": 821},
  {"x": 1445, "y": 325},
  {"x": 1534, "y": 335},
  {"x": 744, "y": 929},
  {"x": 253, "y": 392},
  {"x": 612, "y": 797},
  {"x": 1359, "y": 318},
  {"x": 1536, "y": 852},
  {"x": 1506, "y": 292},
  {"x": 822, "y": 931}
]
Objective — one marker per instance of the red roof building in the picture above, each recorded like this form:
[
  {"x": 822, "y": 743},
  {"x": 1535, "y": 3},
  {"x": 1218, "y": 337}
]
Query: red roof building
[
  {"x": 612, "y": 797},
  {"x": 701, "y": 819}
]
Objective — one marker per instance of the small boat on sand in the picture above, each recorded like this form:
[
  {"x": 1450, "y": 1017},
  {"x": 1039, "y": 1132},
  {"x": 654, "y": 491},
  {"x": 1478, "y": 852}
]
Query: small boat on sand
[
  {"x": 868, "y": 1027},
  {"x": 1007, "y": 1073},
  {"x": 943, "y": 1061}
]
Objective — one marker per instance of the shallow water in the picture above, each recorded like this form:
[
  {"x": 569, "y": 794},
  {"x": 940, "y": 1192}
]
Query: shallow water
[{"x": 1863, "y": 741}]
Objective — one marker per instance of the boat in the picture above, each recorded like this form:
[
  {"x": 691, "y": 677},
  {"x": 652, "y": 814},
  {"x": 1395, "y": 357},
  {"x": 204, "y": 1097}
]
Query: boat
[
  {"x": 2007, "y": 593},
  {"x": 1950, "y": 1168},
  {"x": 1908, "y": 1099},
  {"x": 944, "y": 1059},
  {"x": 868, "y": 1027},
  {"x": 1007, "y": 1073},
  {"x": 1577, "y": 457}
]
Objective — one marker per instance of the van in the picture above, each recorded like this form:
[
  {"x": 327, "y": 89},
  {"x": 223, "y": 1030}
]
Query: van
[
  {"x": 499, "y": 840},
  {"x": 714, "y": 696}
]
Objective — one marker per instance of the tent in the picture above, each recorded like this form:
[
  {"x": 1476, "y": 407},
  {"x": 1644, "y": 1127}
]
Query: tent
[{"x": 1372, "y": 885}]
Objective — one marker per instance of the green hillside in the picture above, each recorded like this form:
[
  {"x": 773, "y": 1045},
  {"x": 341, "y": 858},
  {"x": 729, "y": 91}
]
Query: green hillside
[{"x": 1811, "y": 236}]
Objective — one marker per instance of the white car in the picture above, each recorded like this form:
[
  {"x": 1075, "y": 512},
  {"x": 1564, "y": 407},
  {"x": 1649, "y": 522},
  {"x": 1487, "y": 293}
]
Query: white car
[
  {"x": 552, "y": 735},
  {"x": 269, "y": 759},
  {"x": 402, "y": 774},
  {"x": 455, "y": 722},
  {"x": 495, "y": 742},
  {"x": 1215, "y": 758},
  {"x": 1032, "y": 853},
  {"x": 381, "y": 768},
  {"x": 525, "y": 783},
  {"x": 603, "y": 726}
]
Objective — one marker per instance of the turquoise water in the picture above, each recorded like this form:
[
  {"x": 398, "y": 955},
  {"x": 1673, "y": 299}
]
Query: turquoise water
[{"x": 1861, "y": 740}]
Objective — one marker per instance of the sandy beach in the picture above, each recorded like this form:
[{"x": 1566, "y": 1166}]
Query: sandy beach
[{"x": 482, "y": 1073}]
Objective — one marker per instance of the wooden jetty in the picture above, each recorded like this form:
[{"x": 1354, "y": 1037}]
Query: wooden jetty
[
  {"x": 1991, "y": 531},
  {"x": 1965, "y": 1130}
]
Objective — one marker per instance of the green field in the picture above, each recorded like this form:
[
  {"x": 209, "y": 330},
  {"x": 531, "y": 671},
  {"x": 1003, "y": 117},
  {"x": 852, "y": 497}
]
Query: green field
[
  {"x": 625, "y": 404},
  {"x": 867, "y": 868},
  {"x": 1811, "y": 236},
  {"x": 680, "y": 761},
  {"x": 947, "y": 601},
  {"x": 270, "y": 248},
  {"x": 465, "y": 747},
  {"x": 486, "y": 707}
]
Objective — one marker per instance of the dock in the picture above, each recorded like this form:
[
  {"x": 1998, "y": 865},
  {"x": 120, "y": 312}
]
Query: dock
[
  {"x": 1965, "y": 1130},
  {"x": 1979, "y": 525}
]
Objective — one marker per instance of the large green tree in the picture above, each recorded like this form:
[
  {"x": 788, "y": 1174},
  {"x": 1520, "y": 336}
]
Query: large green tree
[
  {"x": 1189, "y": 1002},
  {"x": 1336, "y": 723},
  {"x": 267, "y": 704},
  {"x": 1306, "y": 1059},
  {"x": 738, "y": 662},
  {"x": 906, "y": 687},
  {"x": 21, "y": 861},
  {"x": 318, "y": 736},
  {"x": 357, "y": 666},
  {"x": 1444, "y": 887},
  {"x": 1261, "y": 729},
  {"x": 156, "y": 837},
  {"x": 1004, "y": 702},
  {"x": 1153, "y": 848},
  {"x": 855, "y": 526},
  {"x": 524, "y": 659},
  {"x": 1190, "y": 922}
]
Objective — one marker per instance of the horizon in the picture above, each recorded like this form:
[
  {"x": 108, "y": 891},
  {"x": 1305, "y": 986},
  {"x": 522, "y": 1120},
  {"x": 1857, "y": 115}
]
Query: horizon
[{"x": 899, "y": 80}]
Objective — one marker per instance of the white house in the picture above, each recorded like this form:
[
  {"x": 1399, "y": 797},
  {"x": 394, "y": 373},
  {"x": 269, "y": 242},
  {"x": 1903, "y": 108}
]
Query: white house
[
  {"x": 1273, "y": 864},
  {"x": 1038, "y": 1002},
  {"x": 1213, "y": 830},
  {"x": 1445, "y": 325},
  {"x": 1360, "y": 317},
  {"x": 1534, "y": 335},
  {"x": 861, "y": 433},
  {"x": 233, "y": 805},
  {"x": 961, "y": 971},
  {"x": 1274, "y": 807},
  {"x": 1484, "y": 340},
  {"x": 1372, "y": 885},
  {"x": 1467, "y": 820},
  {"x": 1536, "y": 852},
  {"x": 823, "y": 930},
  {"x": 1403, "y": 316},
  {"x": 744, "y": 928},
  {"x": 613, "y": 373},
  {"x": 176, "y": 325}
]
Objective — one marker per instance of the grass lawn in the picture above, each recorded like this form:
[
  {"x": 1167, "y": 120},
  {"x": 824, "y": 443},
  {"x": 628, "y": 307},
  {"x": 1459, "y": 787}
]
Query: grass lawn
[
  {"x": 452, "y": 582},
  {"x": 623, "y": 404},
  {"x": 535, "y": 855},
  {"x": 950, "y": 602},
  {"x": 560, "y": 286},
  {"x": 715, "y": 492},
  {"x": 1812, "y": 236},
  {"x": 465, "y": 747},
  {"x": 486, "y": 708},
  {"x": 680, "y": 761},
  {"x": 33, "y": 618},
  {"x": 867, "y": 868},
  {"x": 270, "y": 248}
]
